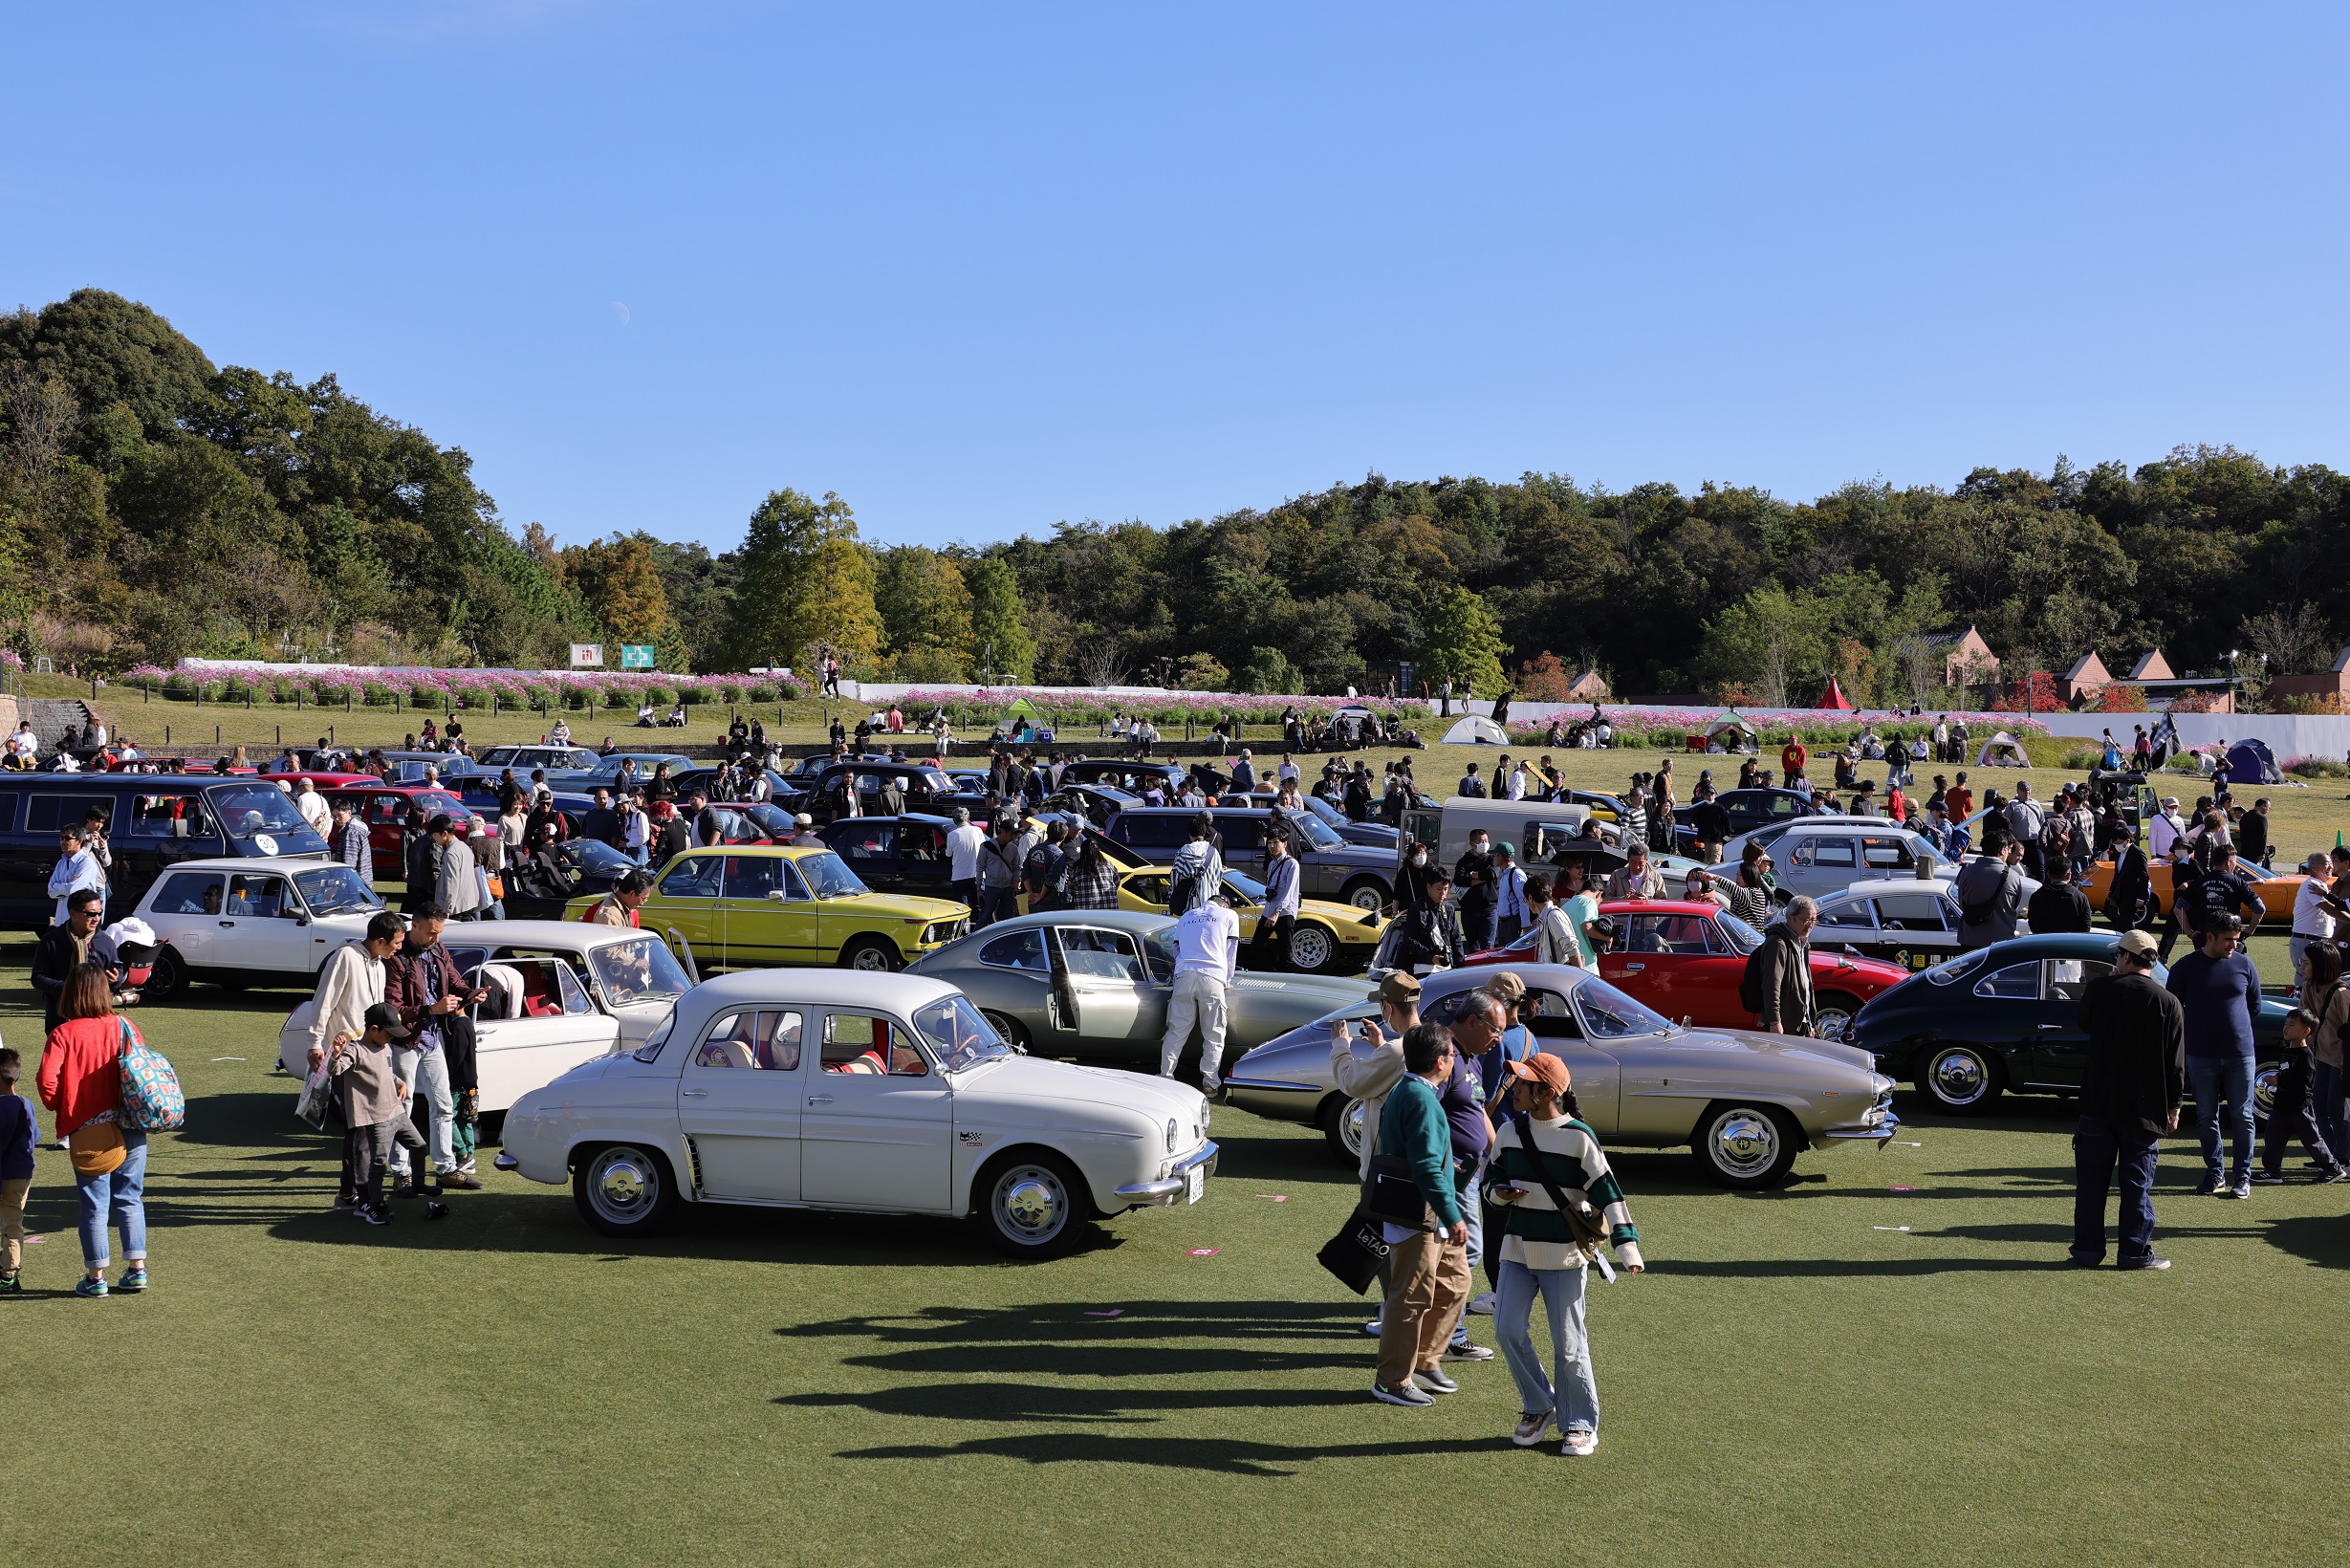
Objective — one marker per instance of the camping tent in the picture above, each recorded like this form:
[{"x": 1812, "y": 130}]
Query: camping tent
[
  {"x": 1475, "y": 731},
  {"x": 1732, "y": 734},
  {"x": 2250, "y": 762},
  {"x": 1834, "y": 698},
  {"x": 1020, "y": 708},
  {"x": 2002, "y": 751}
]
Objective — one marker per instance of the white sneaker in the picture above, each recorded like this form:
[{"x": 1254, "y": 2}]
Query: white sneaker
[
  {"x": 1529, "y": 1430},
  {"x": 1482, "y": 1305},
  {"x": 1580, "y": 1444}
]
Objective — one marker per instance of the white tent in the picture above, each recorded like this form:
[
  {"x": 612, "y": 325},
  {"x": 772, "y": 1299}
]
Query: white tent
[
  {"x": 2002, "y": 751},
  {"x": 1475, "y": 731}
]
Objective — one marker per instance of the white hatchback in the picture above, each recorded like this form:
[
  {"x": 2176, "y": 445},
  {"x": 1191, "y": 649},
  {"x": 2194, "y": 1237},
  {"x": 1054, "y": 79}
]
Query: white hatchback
[
  {"x": 246, "y": 921},
  {"x": 881, "y": 1093}
]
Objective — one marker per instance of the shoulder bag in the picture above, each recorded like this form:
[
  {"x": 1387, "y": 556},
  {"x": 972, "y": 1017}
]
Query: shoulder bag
[{"x": 1583, "y": 1221}]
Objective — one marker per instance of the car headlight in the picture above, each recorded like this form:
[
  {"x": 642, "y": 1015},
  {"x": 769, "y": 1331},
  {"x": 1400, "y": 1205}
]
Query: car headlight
[{"x": 1170, "y": 1135}]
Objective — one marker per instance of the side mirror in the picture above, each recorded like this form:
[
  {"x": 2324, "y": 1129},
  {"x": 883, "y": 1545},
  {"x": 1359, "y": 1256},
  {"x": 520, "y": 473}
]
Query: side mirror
[{"x": 775, "y": 895}]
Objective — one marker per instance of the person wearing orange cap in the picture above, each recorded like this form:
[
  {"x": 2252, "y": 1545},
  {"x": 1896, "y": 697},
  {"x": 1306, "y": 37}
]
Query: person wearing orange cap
[{"x": 1543, "y": 1147}]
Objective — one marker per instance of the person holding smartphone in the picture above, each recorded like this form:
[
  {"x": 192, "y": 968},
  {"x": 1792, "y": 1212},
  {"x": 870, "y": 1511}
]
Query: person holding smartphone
[
  {"x": 1543, "y": 1154},
  {"x": 423, "y": 984}
]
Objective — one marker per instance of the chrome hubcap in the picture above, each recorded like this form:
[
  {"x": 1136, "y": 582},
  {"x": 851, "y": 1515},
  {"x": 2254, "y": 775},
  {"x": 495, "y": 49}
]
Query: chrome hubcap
[
  {"x": 1350, "y": 1127},
  {"x": 622, "y": 1184},
  {"x": 1308, "y": 947},
  {"x": 1835, "y": 1024},
  {"x": 869, "y": 958},
  {"x": 1366, "y": 897},
  {"x": 1959, "y": 1076},
  {"x": 1029, "y": 1202},
  {"x": 2264, "y": 1089},
  {"x": 1745, "y": 1142}
]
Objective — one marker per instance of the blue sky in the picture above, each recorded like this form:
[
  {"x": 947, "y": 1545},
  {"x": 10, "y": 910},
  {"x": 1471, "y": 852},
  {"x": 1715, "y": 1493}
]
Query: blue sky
[{"x": 981, "y": 268}]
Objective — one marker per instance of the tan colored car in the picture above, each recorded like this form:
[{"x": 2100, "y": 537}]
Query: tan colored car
[{"x": 1744, "y": 1102}]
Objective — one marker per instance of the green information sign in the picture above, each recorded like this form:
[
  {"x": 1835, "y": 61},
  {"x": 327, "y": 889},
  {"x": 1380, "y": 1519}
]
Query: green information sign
[{"x": 637, "y": 655}]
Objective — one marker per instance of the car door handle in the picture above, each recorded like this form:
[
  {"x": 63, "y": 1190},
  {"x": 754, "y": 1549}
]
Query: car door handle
[
  {"x": 694, "y": 1094},
  {"x": 819, "y": 1099},
  {"x": 2051, "y": 1029},
  {"x": 230, "y": 922},
  {"x": 1634, "y": 969}
]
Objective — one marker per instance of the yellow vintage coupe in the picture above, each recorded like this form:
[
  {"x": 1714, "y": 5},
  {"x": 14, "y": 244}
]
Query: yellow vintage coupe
[{"x": 750, "y": 906}]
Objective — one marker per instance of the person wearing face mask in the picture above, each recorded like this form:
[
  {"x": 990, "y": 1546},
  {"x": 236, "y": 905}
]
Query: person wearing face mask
[
  {"x": 1473, "y": 877},
  {"x": 1411, "y": 885}
]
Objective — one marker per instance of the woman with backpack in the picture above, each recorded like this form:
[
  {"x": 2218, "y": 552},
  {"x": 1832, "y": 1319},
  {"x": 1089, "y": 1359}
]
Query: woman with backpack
[{"x": 82, "y": 1080}]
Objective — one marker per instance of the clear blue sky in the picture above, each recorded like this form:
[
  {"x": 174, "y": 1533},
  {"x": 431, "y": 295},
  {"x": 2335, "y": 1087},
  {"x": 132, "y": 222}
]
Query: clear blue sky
[{"x": 983, "y": 268}]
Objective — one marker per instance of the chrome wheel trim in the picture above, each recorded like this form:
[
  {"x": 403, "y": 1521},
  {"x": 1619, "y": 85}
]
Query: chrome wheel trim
[
  {"x": 1368, "y": 896},
  {"x": 870, "y": 959},
  {"x": 2264, "y": 1088},
  {"x": 1350, "y": 1127},
  {"x": 1834, "y": 1024},
  {"x": 1743, "y": 1142},
  {"x": 623, "y": 1184},
  {"x": 1031, "y": 1204},
  {"x": 1311, "y": 948},
  {"x": 1959, "y": 1076}
]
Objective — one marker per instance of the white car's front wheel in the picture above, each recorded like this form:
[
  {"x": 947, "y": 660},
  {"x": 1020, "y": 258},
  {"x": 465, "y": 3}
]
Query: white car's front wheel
[
  {"x": 623, "y": 1190},
  {"x": 1032, "y": 1204}
]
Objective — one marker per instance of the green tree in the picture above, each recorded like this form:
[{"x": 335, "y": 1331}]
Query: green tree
[
  {"x": 1000, "y": 640},
  {"x": 621, "y": 590},
  {"x": 1270, "y": 673},
  {"x": 779, "y": 602},
  {"x": 1460, "y": 640},
  {"x": 926, "y": 611}
]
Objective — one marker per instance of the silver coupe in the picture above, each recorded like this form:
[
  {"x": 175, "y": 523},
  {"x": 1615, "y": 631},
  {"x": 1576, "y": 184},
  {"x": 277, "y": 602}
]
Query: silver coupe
[{"x": 1746, "y": 1103}]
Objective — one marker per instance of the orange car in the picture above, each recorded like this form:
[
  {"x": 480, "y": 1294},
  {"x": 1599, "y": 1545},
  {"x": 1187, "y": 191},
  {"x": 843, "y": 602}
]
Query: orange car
[{"x": 2276, "y": 889}]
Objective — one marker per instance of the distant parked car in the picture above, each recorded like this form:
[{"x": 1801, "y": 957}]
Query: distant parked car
[{"x": 240, "y": 923}]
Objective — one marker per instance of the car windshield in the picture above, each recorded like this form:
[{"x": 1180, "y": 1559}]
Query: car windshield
[
  {"x": 253, "y": 810},
  {"x": 639, "y": 969},
  {"x": 438, "y": 804},
  {"x": 1742, "y": 937},
  {"x": 829, "y": 876},
  {"x": 1318, "y": 836},
  {"x": 1609, "y": 1014},
  {"x": 1248, "y": 887},
  {"x": 332, "y": 890},
  {"x": 772, "y": 820},
  {"x": 962, "y": 1039},
  {"x": 594, "y": 857},
  {"x": 1324, "y": 810},
  {"x": 1957, "y": 969}
]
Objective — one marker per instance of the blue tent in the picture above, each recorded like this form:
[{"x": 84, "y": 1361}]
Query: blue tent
[{"x": 2249, "y": 762}]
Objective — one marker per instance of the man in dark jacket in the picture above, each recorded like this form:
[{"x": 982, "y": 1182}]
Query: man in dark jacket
[
  {"x": 2251, "y": 833},
  {"x": 1711, "y": 825},
  {"x": 1783, "y": 971},
  {"x": 64, "y": 947},
  {"x": 1427, "y": 932},
  {"x": 2129, "y": 896},
  {"x": 1991, "y": 894},
  {"x": 2058, "y": 905},
  {"x": 2131, "y": 1084},
  {"x": 1474, "y": 875}
]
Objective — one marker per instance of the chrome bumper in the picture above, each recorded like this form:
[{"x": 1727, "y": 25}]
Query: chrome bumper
[
  {"x": 1879, "y": 1125},
  {"x": 506, "y": 1162},
  {"x": 1166, "y": 1189}
]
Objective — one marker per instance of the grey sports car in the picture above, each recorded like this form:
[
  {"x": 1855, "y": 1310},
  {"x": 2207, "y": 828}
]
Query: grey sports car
[
  {"x": 1746, "y": 1103},
  {"x": 1094, "y": 983}
]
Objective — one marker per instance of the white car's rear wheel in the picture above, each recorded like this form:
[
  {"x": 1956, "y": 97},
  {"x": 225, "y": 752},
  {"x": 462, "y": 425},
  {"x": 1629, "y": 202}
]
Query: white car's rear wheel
[
  {"x": 623, "y": 1190},
  {"x": 166, "y": 979},
  {"x": 1032, "y": 1204}
]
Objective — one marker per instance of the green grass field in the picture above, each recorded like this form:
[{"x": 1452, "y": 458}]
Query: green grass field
[{"x": 1798, "y": 1378}]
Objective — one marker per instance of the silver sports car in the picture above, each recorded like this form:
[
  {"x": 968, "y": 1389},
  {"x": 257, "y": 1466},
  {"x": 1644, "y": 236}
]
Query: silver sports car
[
  {"x": 1745, "y": 1102},
  {"x": 1094, "y": 983}
]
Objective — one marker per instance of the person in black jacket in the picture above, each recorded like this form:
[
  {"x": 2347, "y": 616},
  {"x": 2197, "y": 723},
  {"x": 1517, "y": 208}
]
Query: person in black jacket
[
  {"x": 2058, "y": 905},
  {"x": 64, "y": 947},
  {"x": 1428, "y": 933},
  {"x": 1782, "y": 967},
  {"x": 2128, "y": 898},
  {"x": 2131, "y": 1084}
]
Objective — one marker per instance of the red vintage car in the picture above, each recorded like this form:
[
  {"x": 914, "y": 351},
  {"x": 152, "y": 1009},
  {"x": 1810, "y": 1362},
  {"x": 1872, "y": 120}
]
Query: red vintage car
[
  {"x": 384, "y": 807},
  {"x": 1685, "y": 960}
]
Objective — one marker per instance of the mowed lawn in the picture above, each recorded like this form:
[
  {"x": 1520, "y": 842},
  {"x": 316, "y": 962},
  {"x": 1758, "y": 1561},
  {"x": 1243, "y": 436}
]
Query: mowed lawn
[{"x": 1799, "y": 1378}]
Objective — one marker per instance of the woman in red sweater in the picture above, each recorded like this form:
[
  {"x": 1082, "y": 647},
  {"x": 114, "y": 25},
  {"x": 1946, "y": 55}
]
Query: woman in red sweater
[{"x": 82, "y": 1080}]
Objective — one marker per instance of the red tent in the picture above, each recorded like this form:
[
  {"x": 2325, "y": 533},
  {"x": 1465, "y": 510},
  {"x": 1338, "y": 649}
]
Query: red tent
[{"x": 1835, "y": 698}]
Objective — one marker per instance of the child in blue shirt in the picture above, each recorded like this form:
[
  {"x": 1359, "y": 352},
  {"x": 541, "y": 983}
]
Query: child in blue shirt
[{"x": 18, "y": 1132}]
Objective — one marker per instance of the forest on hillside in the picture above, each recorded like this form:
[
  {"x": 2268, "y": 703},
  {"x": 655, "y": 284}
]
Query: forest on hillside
[{"x": 153, "y": 504}]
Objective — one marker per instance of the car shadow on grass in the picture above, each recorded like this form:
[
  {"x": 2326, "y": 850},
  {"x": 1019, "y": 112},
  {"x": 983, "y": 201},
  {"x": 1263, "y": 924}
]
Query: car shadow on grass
[{"x": 1238, "y": 1456}]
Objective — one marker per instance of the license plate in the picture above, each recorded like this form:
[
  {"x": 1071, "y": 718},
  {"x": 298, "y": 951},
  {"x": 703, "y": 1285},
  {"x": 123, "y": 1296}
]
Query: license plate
[{"x": 1195, "y": 1182}]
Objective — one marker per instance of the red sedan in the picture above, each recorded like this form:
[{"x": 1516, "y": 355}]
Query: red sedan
[
  {"x": 1685, "y": 960},
  {"x": 384, "y": 807}
]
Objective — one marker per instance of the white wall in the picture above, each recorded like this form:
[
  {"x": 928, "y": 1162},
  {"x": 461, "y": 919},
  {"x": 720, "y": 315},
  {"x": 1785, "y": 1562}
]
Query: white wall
[{"x": 2289, "y": 735}]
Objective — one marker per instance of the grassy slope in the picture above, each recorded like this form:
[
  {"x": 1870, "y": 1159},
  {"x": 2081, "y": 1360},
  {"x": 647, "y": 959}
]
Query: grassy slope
[{"x": 1790, "y": 1380}]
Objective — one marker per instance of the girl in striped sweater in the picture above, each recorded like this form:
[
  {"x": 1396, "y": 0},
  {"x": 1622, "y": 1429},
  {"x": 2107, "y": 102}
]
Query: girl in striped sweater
[{"x": 1540, "y": 1254}]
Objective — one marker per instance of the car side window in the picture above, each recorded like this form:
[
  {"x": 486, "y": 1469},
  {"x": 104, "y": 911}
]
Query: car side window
[
  {"x": 188, "y": 893},
  {"x": 764, "y": 1039},
  {"x": 866, "y": 1043},
  {"x": 1022, "y": 949},
  {"x": 1889, "y": 854},
  {"x": 169, "y": 816},
  {"x": 1831, "y": 852},
  {"x": 575, "y": 999},
  {"x": 1548, "y": 1017},
  {"x": 1912, "y": 912},
  {"x": 260, "y": 896},
  {"x": 1103, "y": 954},
  {"x": 1150, "y": 886},
  {"x": 2068, "y": 977},
  {"x": 871, "y": 842},
  {"x": 2016, "y": 983},
  {"x": 1242, "y": 835},
  {"x": 752, "y": 876},
  {"x": 1852, "y": 914},
  {"x": 694, "y": 877}
]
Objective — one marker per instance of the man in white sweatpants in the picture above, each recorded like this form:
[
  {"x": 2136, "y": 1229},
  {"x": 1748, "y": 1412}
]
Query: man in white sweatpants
[{"x": 1207, "y": 948}]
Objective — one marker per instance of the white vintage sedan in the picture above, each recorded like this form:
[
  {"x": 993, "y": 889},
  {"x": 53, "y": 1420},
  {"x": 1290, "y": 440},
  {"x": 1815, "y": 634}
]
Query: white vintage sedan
[
  {"x": 244, "y": 921},
  {"x": 561, "y": 992},
  {"x": 883, "y": 1093}
]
